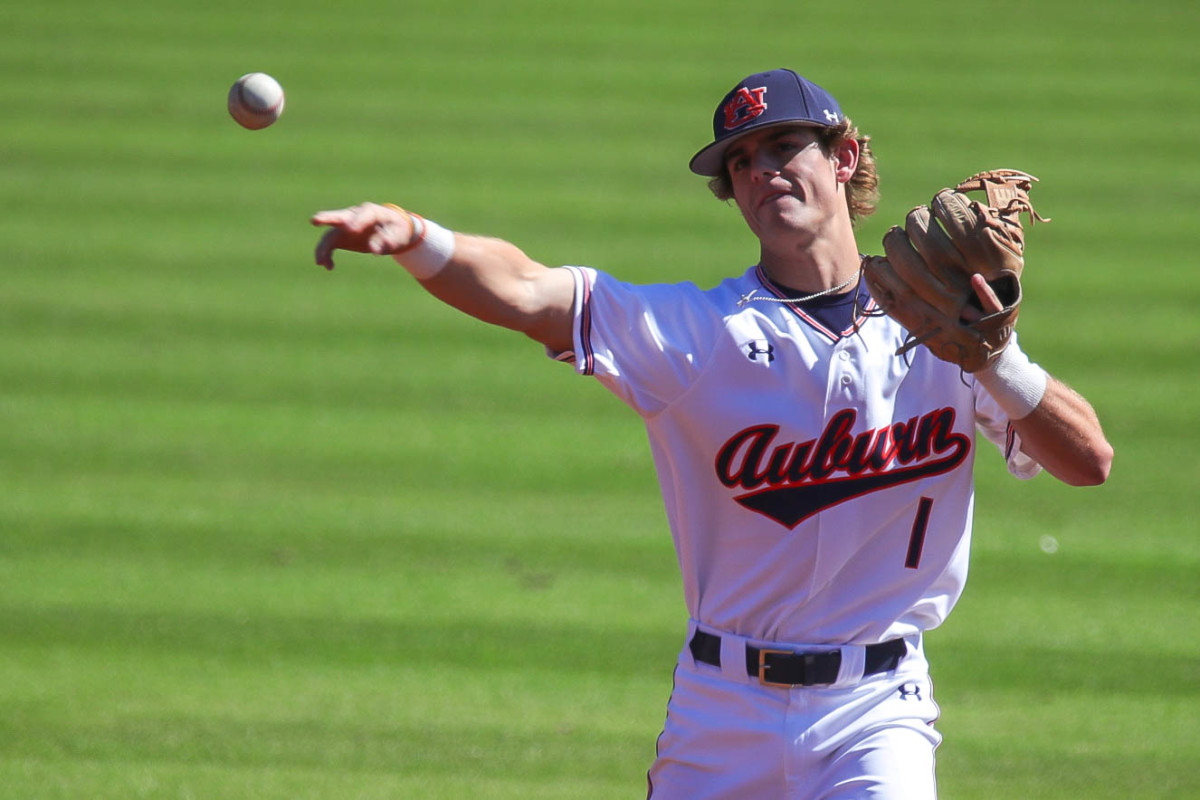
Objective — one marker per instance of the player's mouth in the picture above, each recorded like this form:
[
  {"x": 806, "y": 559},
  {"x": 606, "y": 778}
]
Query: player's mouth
[{"x": 774, "y": 197}]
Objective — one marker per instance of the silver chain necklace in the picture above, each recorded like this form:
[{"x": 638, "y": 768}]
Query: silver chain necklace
[{"x": 752, "y": 295}]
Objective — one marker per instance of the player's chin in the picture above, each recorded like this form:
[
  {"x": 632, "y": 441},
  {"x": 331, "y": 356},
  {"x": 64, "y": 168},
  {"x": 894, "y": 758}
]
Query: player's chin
[{"x": 784, "y": 219}]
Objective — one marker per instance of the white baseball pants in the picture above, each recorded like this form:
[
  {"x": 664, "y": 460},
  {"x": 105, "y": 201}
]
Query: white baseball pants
[{"x": 728, "y": 737}]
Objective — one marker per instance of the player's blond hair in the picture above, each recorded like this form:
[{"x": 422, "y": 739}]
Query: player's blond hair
[{"x": 862, "y": 192}]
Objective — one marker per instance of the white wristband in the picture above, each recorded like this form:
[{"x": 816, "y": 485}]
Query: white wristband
[
  {"x": 431, "y": 249},
  {"x": 1015, "y": 382}
]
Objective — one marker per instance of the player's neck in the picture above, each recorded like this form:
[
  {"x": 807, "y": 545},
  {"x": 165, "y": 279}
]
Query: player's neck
[{"x": 814, "y": 267}]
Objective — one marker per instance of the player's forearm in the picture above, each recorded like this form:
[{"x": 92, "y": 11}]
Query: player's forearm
[
  {"x": 1063, "y": 434},
  {"x": 1058, "y": 428},
  {"x": 496, "y": 282}
]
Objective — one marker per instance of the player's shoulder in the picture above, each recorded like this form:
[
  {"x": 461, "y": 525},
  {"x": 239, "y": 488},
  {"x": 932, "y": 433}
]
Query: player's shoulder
[
  {"x": 727, "y": 295},
  {"x": 736, "y": 286}
]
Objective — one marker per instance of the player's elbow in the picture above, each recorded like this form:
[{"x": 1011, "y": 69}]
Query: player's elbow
[
  {"x": 1095, "y": 468},
  {"x": 1103, "y": 463},
  {"x": 547, "y": 311}
]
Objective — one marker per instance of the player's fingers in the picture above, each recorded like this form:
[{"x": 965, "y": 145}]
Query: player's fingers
[
  {"x": 332, "y": 217},
  {"x": 363, "y": 218},
  {"x": 325, "y": 248},
  {"x": 381, "y": 241},
  {"x": 355, "y": 219},
  {"x": 988, "y": 300}
]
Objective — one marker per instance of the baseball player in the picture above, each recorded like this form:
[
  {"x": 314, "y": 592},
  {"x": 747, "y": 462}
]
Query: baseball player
[{"x": 818, "y": 486}]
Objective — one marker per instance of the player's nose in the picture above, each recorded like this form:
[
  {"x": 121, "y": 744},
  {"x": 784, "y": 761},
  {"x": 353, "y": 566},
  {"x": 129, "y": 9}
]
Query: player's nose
[{"x": 763, "y": 166}]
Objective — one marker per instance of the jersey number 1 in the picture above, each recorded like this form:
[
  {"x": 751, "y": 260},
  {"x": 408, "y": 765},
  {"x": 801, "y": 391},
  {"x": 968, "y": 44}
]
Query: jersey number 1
[{"x": 916, "y": 541}]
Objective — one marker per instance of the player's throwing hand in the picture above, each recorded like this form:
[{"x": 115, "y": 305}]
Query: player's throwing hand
[{"x": 366, "y": 228}]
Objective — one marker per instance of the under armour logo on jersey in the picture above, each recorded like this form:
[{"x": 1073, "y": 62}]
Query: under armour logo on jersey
[
  {"x": 760, "y": 348},
  {"x": 910, "y": 691},
  {"x": 745, "y": 105}
]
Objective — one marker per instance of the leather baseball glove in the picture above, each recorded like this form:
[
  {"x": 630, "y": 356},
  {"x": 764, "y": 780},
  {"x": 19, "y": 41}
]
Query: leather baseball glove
[{"x": 924, "y": 282}]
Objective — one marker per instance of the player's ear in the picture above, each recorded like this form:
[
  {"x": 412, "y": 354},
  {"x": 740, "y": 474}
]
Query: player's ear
[{"x": 845, "y": 159}]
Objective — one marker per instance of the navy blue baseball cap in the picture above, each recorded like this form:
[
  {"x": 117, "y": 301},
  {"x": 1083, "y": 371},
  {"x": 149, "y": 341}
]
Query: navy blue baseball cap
[{"x": 763, "y": 100}]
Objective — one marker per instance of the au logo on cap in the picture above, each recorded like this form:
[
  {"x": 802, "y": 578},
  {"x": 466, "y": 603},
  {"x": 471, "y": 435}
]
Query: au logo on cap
[{"x": 745, "y": 105}]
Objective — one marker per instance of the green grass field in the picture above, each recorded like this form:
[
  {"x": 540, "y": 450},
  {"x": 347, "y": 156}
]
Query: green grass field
[{"x": 270, "y": 532}]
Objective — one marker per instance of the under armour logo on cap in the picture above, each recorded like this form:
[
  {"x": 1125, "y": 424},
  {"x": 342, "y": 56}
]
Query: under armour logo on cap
[{"x": 777, "y": 97}]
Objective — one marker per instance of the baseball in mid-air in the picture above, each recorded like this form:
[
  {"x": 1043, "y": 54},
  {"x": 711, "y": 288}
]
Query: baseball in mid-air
[{"x": 255, "y": 100}]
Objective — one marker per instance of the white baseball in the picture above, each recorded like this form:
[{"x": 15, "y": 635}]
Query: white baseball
[{"x": 255, "y": 100}]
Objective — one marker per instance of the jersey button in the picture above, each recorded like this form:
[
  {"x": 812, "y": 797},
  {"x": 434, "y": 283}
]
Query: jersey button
[
  {"x": 846, "y": 380},
  {"x": 844, "y": 356}
]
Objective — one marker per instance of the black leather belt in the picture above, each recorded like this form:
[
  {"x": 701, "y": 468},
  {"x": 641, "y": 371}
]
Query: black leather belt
[{"x": 789, "y": 668}]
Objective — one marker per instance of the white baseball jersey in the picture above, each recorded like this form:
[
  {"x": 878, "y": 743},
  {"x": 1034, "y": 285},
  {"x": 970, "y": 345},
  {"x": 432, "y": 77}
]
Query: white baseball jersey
[{"x": 818, "y": 487}]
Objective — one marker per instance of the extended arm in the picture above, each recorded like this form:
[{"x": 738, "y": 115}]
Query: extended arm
[{"x": 490, "y": 279}]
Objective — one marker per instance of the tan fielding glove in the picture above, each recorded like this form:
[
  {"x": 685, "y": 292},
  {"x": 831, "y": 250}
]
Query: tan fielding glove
[{"x": 924, "y": 283}]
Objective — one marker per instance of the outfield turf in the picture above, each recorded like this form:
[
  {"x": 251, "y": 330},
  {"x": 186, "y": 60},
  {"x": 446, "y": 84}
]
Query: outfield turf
[{"x": 270, "y": 532}]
